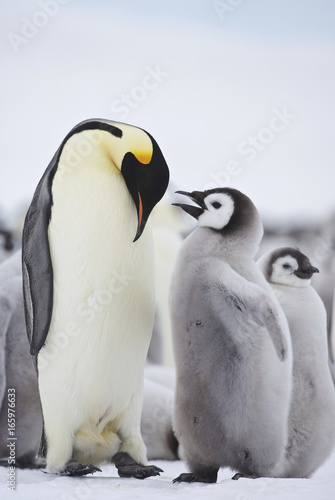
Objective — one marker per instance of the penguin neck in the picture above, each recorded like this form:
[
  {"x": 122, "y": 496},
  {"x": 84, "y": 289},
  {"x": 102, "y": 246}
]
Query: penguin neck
[{"x": 235, "y": 249}]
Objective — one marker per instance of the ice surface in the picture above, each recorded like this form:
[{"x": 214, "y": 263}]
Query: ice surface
[{"x": 35, "y": 485}]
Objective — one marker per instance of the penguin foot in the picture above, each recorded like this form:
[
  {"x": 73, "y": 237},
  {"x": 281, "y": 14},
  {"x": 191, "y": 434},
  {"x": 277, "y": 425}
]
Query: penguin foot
[
  {"x": 139, "y": 471},
  {"x": 127, "y": 467},
  {"x": 238, "y": 476},
  {"x": 191, "y": 477},
  {"x": 74, "y": 468}
]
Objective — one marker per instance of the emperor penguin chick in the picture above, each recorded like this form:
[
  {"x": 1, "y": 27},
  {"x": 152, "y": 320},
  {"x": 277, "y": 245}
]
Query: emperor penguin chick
[
  {"x": 231, "y": 344},
  {"x": 88, "y": 276},
  {"x": 312, "y": 412}
]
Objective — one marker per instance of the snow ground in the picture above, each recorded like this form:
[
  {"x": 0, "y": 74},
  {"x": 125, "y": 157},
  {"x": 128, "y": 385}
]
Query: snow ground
[{"x": 34, "y": 485}]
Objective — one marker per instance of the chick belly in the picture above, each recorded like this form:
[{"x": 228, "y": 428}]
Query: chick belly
[
  {"x": 210, "y": 440},
  {"x": 237, "y": 421}
]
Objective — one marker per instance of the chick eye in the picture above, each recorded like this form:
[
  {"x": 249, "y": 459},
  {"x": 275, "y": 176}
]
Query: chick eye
[
  {"x": 286, "y": 266},
  {"x": 216, "y": 204}
]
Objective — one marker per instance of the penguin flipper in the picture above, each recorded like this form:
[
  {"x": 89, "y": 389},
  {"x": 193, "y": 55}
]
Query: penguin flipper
[
  {"x": 265, "y": 313},
  {"x": 36, "y": 263},
  {"x": 254, "y": 302}
]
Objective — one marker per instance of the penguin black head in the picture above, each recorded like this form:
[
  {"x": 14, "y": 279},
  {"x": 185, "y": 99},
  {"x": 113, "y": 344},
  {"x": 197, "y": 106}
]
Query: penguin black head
[
  {"x": 146, "y": 181},
  {"x": 223, "y": 209},
  {"x": 289, "y": 266}
]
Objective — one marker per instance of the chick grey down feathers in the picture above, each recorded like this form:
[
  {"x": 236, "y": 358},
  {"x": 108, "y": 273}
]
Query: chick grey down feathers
[
  {"x": 231, "y": 344},
  {"x": 312, "y": 411},
  {"x": 17, "y": 370}
]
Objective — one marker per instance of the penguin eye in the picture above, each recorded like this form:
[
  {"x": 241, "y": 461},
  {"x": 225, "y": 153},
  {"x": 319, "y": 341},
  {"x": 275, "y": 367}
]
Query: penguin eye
[
  {"x": 286, "y": 266},
  {"x": 216, "y": 204}
]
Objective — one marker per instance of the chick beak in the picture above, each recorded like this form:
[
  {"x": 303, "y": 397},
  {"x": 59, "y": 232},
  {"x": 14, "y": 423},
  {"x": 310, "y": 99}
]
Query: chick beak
[{"x": 196, "y": 196}]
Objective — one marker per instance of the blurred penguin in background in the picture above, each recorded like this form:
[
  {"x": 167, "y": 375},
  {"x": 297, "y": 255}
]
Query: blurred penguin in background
[
  {"x": 168, "y": 229},
  {"x": 318, "y": 241},
  {"x": 7, "y": 244},
  {"x": 17, "y": 370},
  {"x": 312, "y": 410}
]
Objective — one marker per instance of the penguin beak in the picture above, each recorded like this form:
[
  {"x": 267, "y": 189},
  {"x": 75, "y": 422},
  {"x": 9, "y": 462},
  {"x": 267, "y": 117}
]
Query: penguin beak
[
  {"x": 146, "y": 182},
  {"x": 307, "y": 273},
  {"x": 196, "y": 196},
  {"x": 141, "y": 221}
]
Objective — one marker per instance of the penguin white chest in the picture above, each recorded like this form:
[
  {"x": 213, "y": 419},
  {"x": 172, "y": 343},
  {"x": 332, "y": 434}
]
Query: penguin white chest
[{"x": 103, "y": 289}]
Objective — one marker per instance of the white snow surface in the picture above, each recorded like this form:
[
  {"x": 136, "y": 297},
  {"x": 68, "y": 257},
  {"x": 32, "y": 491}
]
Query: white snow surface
[{"x": 35, "y": 485}]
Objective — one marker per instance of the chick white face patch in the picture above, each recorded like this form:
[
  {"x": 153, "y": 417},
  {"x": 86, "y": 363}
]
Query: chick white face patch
[
  {"x": 283, "y": 270},
  {"x": 220, "y": 208}
]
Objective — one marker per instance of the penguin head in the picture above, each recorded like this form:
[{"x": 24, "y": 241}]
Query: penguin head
[
  {"x": 134, "y": 152},
  {"x": 145, "y": 172},
  {"x": 288, "y": 266},
  {"x": 226, "y": 211}
]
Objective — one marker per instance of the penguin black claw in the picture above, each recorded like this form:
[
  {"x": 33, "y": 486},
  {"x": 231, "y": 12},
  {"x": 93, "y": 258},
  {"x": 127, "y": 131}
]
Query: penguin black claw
[
  {"x": 184, "y": 478},
  {"x": 139, "y": 471},
  {"x": 190, "y": 477},
  {"x": 74, "y": 468},
  {"x": 128, "y": 467},
  {"x": 238, "y": 476}
]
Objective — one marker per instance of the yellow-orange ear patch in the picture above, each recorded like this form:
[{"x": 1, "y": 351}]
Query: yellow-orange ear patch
[{"x": 143, "y": 156}]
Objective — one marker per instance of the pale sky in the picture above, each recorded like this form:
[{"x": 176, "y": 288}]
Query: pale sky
[{"x": 207, "y": 79}]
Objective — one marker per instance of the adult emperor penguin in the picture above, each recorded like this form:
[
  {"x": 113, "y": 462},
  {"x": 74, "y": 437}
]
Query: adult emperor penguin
[
  {"x": 312, "y": 413},
  {"x": 88, "y": 276},
  {"x": 231, "y": 344}
]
